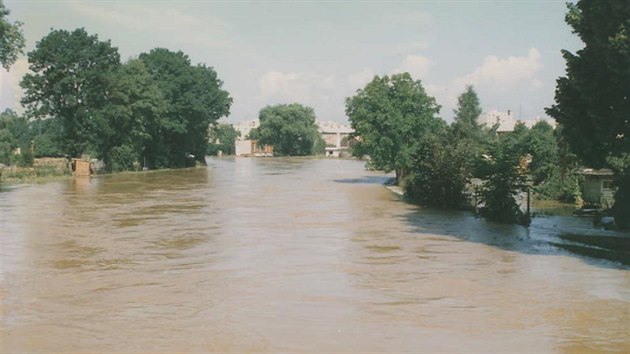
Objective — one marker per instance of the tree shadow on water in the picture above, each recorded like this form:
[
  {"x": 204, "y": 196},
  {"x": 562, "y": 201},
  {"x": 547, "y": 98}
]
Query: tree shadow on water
[
  {"x": 552, "y": 235},
  {"x": 365, "y": 180}
]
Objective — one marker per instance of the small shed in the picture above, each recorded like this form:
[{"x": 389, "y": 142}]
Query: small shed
[
  {"x": 598, "y": 187},
  {"x": 81, "y": 167},
  {"x": 251, "y": 148}
]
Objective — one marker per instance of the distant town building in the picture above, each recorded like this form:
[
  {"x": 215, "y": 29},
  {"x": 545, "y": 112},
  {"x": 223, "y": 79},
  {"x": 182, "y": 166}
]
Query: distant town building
[
  {"x": 250, "y": 148},
  {"x": 507, "y": 121},
  {"x": 245, "y": 127},
  {"x": 336, "y": 136},
  {"x": 333, "y": 133}
]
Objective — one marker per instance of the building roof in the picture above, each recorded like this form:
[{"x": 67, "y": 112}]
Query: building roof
[
  {"x": 330, "y": 127},
  {"x": 507, "y": 121},
  {"x": 595, "y": 172},
  {"x": 324, "y": 127}
]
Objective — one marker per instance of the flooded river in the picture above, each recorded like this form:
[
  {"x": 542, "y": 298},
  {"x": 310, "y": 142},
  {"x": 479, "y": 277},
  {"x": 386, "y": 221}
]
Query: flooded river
[{"x": 288, "y": 255}]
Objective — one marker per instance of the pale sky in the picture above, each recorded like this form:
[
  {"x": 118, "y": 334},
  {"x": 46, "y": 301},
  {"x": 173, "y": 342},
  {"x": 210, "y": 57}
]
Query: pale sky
[{"x": 319, "y": 53}]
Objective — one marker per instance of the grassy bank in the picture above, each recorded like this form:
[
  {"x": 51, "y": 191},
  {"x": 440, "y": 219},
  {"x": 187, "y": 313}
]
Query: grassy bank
[
  {"x": 53, "y": 169},
  {"x": 38, "y": 174}
]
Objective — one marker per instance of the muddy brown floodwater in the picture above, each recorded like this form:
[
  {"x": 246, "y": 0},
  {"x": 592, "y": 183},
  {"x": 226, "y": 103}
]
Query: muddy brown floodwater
[{"x": 288, "y": 255}]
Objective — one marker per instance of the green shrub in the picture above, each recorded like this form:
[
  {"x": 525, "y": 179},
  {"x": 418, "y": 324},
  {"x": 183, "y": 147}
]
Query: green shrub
[
  {"x": 123, "y": 158},
  {"x": 439, "y": 174}
]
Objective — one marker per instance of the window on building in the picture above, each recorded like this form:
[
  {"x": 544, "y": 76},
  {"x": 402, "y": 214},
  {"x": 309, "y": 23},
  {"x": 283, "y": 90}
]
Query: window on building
[{"x": 607, "y": 184}]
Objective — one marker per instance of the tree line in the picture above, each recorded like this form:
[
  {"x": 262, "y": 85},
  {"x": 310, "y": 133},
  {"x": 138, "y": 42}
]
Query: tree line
[
  {"x": 152, "y": 111},
  {"x": 400, "y": 129}
]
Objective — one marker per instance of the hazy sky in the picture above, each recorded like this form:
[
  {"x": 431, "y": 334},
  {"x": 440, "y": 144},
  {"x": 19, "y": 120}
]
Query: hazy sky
[{"x": 318, "y": 53}]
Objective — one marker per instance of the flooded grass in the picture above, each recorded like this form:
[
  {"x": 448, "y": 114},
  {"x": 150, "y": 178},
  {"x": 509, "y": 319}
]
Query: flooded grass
[
  {"x": 598, "y": 253},
  {"x": 617, "y": 243}
]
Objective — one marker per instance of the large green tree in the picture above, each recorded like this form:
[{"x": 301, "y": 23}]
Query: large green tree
[
  {"x": 126, "y": 124},
  {"x": 70, "y": 80},
  {"x": 391, "y": 116},
  {"x": 593, "y": 99},
  {"x": 11, "y": 38},
  {"x": 194, "y": 99},
  {"x": 289, "y": 128}
]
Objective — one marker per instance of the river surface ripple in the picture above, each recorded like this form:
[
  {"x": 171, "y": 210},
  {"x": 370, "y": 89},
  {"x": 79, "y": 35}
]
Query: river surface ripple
[{"x": 288, "y": 255}]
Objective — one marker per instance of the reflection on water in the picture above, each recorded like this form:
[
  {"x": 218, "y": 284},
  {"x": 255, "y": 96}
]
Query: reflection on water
[{"x": 284, "y": 255}]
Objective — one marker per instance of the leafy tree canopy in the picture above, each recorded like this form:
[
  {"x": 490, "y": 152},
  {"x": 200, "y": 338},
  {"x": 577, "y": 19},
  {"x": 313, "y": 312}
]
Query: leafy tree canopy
[
  {"x": 593, "y": 99},
  {"x": 194, "y": 99},
  {"x": 467, "y": 113},
  {"x": 540, "y": 142},
  {"x": 69, "y": 80},
  {"x": 133, "y": 110},
  {"x": 290, "y": 128},
  {"x": 440, "y": 172},
  {"x": 11, "y": 38},
  {"x": 8, "y": 139},
  {"x": 47, "y": 137},
  {"x": 504, "y": 178},
  {"x": 391, "y": 115}
]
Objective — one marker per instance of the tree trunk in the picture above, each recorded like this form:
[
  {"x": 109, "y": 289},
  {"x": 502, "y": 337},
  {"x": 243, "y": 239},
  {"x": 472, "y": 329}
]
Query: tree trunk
[
  {"x": 621, "y": 207},
  {"x": 400, "y": 174}
]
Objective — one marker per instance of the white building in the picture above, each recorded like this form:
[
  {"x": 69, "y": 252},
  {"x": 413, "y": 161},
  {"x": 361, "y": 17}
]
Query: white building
[
  {"x": 245, "y": 127},
  {"x": 507, "y": 121},
  {"x": 333, "y": 132},
  {"x": 251, "y": 148}
]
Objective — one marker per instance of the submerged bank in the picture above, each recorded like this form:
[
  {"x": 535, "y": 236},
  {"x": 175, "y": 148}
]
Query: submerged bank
[
  {"x": 555, "y": 224},
  {"x": 58, "y": 169}
]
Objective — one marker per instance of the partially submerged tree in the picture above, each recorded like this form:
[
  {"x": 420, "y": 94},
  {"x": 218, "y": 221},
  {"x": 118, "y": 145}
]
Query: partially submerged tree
[
  {"x": 290, "y": 128},
  {"x": 504, "y": 178},
  {"x": 593, "y": 99},
  {"x": 392, "y": 115},
  {"x": 11, "y": 38},
  {"x": 128, "y": 121},
  {"x": 194, "y": 99},
  {"x": 440, "y": 171}
]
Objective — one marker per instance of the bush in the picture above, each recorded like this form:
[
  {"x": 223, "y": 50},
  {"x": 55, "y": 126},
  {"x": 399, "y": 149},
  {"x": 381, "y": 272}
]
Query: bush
[
  {"x": 439, "y": 174},
  {"x": 503, "y": 181},
  {"x": 123, "y": 158}
]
